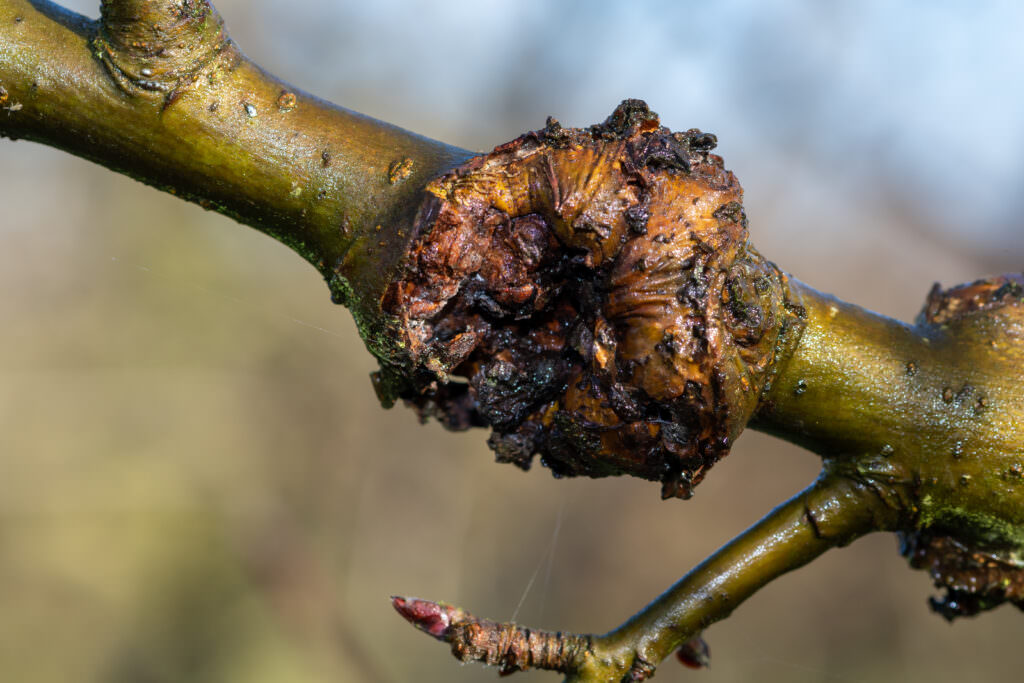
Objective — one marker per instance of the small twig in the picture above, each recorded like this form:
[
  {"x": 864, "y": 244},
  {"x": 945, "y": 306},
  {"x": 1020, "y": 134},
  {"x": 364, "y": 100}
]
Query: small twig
[
  {"x": 508, "y": 646},
  {"x": 843, "y": 509}
]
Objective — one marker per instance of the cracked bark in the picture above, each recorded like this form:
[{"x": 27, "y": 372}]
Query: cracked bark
[{"x": 590, "y": 295}]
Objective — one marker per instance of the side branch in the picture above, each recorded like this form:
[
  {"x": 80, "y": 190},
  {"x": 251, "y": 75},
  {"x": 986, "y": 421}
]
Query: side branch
[
  {"x": 833, "y": 512},
  {"x": 159, "y": 92}
]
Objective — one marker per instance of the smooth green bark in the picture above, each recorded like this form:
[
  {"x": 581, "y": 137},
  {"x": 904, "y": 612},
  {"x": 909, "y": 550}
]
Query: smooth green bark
[
  {"x": 931, "y": 413},
  {"x": 833, "y": 512},
  {"x": 208, "y": 125}
]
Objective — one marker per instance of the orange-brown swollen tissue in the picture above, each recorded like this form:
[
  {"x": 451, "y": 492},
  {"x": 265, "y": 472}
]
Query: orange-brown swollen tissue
[{"x": 591, "y": 296}]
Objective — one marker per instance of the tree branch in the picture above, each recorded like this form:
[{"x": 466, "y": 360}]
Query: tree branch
[
  {"x": 158, "y": 91},
  {"x": 590, "y": 295},
  {"x": 833, "y": 512}
]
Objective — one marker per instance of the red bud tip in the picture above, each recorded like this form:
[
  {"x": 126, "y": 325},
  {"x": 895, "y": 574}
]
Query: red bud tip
[
  {"x": 695, "y": 654},
  {"x": 429, "y": 617}
]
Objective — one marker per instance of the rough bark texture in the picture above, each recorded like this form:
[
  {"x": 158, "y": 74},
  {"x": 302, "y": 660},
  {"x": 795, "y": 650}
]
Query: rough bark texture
[
  {"x": 507, "y": 646},
  {"x": 986, "y": 569},
  {"x": 973, "y": 580},
  {"x": 591, "y": 296}
]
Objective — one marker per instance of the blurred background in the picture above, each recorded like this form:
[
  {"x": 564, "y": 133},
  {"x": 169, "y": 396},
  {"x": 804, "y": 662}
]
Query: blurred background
[{"x": 197, "y": 483}]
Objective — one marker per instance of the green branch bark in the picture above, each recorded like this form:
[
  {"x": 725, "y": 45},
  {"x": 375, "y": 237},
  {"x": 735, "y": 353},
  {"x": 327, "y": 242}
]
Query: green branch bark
[
  {"x": 159, "y": 92},
  {"x": 833, "y": 512},
  {"x": 590, "y": 295}
]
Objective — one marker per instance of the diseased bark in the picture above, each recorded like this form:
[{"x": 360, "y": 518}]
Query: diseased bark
[
  {"x": 919, "y": 427},
  {"x": 590, "y": 295},
  {"x": 597, "y": 290}
]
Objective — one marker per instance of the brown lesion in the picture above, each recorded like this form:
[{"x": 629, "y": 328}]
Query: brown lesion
[
  {"x": 590, "y": 294},
  {"x": 976, "y": 572},
  {"x": 946, "y": 306},
  {"x": 975, "y": 580}
]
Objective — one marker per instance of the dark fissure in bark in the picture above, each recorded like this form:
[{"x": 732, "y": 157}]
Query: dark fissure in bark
[{"x": 590, "y": 295}]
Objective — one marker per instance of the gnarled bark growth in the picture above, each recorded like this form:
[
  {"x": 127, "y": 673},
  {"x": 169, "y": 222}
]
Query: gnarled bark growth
[
  {"x": 590, "y": 295},
  {"x": 596, "y": 295}
]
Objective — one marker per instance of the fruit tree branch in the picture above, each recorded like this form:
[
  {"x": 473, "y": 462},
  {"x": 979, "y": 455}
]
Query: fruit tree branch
[
  {"x": 159, "y": 92},
  {"x": 590, "y": 295}
]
